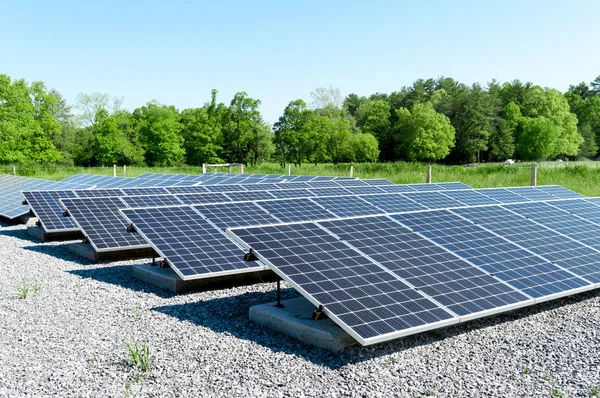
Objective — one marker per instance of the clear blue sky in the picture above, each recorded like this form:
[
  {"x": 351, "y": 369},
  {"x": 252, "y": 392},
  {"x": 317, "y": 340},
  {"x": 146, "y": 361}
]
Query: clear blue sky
[{"x": 278, "y": 51}]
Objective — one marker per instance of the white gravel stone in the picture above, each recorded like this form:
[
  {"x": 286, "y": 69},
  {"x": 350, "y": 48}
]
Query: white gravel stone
[{"x": 68, "y": 340}]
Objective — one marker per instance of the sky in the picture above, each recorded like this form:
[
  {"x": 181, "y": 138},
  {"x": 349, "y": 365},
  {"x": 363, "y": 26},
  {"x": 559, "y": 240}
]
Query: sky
[{"x": 176, "y": 52}]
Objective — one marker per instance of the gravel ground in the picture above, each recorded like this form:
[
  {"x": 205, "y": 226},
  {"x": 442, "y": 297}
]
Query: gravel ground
[{"x": 67, "y": 339}]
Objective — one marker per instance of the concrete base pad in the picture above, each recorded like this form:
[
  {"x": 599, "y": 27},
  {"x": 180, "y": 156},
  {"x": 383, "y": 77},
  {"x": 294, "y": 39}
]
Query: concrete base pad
[
  {"x": 86, "y": 250},
  {"x": 166, "y": 278},
  {"x": 295, "y": 320},
  {"x": 39, "y": 233}
]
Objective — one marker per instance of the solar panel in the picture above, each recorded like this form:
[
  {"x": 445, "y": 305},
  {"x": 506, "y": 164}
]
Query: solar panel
[
  {"x": 251, "y": 195},
  {"x": 44, "y": 205},
  {"x": 427, "y": 187},
  {"x": 82, "y": 181},
  {"x": 583, "y": 208},
  {"x": 192, "y": 189},
  {"x": 346, "y": 206},
  {"x": 224, "y": 188},
  {"x": 292, "y": 193},
  {"x": 453, "y": 185},
  {"x": 144, "y": 191},
  {"x": 289, "y": 210},
  {"x": 392, "y": 203},
  {"x": 494, "y": 254},
  {"x": 378, "y": 182},
  {"x": 470, "y": 197},
  {"x": 236, "y": 214},
  {"x": 365, "y": 190},
  {"x": 151, "y": 200},
  {"x": 11, "y": 198},
  {"x": 99, "y": 220},
  {"x": 532, "y": 193},
  {"x": 262, "y": 187},
  {"x": 98, "y": 192},
  {"x": 199, "y": 198},
  {"x": 328, "y": 191},
  {"x": 397, "y": 188},
  {"x": 503, "y": 195},
  {"x": 367, "y": 301},
  {"x": 351, "y": 183},
  {"x": 433, "y": 200},
  {"x": 568, "y": 254},
  {"x": 456, "y": 284},
  {"x": 559, "y": 192},
  {"x": 562, "y": 221},
  {"x": 193, "y": 247}
]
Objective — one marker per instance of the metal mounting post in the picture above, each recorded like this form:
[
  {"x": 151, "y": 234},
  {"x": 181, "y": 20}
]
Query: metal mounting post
[{"x": 279, "y": 305}]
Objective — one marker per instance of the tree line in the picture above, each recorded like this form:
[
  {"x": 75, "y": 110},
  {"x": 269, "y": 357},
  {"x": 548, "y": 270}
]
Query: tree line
[{"x": 434, "y": 120}]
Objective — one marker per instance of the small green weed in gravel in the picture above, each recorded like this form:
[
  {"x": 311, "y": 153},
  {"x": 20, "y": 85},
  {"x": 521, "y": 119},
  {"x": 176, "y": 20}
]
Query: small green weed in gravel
[
  {"x": 526, "y": 370},
  {"x": 139, "y": 356},
  {"x": 594, "y": 392},
  {"x": 557, "y": 394},
  {"x": 26, "y": 287}
]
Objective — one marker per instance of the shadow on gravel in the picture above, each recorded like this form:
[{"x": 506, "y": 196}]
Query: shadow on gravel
[
  {"x": 120, "y": 275},
  {"x": 59, "y": 251},
  {"x": 18, "y": 233},
  {"x": 230, "y": 315}
]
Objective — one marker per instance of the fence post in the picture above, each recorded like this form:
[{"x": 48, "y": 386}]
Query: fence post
[
  {"x": 242, "y": 168},
  {"x": 289, "y": 169},
  {"x": 533, "y": 175},
  {"x": 203, "y": 168},
  {"x": 124, "y": 170},
  {"x": 351, "y": 171},
  {"x": 428, "y": 179},
  {"x": 14, "y": 170},
  {"x": 114, "y": 170}
]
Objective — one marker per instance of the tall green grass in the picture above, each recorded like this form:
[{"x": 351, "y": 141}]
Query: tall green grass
[{"x": 580, "y": 177}]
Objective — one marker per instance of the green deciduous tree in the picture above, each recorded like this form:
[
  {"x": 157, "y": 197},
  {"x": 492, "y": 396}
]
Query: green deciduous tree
[
  {"x": 293, "y": 133},
  {"x": 423, "y": 134},
  {"x": 363, "y": 148},
  {"x": 243, "y": 120},
  {"x": 159, "y": 131}
]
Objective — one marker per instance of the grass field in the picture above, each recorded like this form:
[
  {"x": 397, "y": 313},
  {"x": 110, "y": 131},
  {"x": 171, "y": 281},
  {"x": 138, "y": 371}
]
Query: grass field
[{"x": 582, "y": 177}]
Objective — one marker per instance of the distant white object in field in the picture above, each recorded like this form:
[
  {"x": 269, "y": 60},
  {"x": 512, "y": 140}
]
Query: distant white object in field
[
  {"x": 559, "y": 160},
  {"x": 509, "y": 162}
]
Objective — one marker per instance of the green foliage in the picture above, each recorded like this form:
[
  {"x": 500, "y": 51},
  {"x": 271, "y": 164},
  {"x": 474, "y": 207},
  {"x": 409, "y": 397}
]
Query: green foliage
[
  {"x": 293, "y": 133},
  {"x": 537, "y": 138},
  {"x": 139, "y": 356},
  {"x": 202, "y": 136},
  {"x": 159, "y": 128},
  {"x": 240, "y": 131},
  {"x": 557, "y": 393},
  {"x": 364, "y": 148},
  {"x": 27, "y": 124},
  {"x": 588, "y": 148},
  {"x": 423, "y": 134},
  {"x": 25, "y": 287}
]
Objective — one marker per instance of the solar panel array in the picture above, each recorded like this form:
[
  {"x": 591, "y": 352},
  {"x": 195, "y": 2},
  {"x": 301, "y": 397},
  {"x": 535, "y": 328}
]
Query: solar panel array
[{"x": 464, "y": 262}]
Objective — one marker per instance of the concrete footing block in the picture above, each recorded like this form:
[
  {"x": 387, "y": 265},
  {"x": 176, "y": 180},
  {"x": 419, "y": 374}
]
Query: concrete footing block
[
  {"x": 86, "y": 250},
  {"x": 39, "y": 233},
  {"x": 295, "y": 320},
  {"x": 167, "y": 279}
]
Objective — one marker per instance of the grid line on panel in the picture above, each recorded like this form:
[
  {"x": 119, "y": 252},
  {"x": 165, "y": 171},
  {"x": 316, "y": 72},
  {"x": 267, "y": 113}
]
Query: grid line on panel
[
  {"x": 363, "y": 296},
  {"x": 101, "y": 223},
  {"x": 236, "y": 214},
  {"x": 433, "y": 200},
  {"x": 249, "y": 195},
  {"x": 192, "y": 245},
  {"x": 566, "y": 253},
  {"x": 558, "y": 191},
  {"x": 292, "y": 210},
  {"x": 47, "y": 209},
  {"x": 200, "y": 198},
  {"x": 508, "y": 262},
  {"x": 346, "y": 206},
  {"x": 392, "y": 203},
  {"x": 456, "y": 284},
  {"x": 151, "y": 200},
  {"x": 532, "y": 193}
]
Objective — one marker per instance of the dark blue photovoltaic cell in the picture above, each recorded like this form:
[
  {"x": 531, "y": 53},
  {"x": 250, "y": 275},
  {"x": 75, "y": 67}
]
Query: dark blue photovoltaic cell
[
  {"x": 47, "y": 209},
  {"x": 193, "y": 247},
  {"x": 200, "y": 198},
  {"x": 433, "y": 200},
  {"x": 180, "y": 190},
  {"x": 453, "y": 185},
  {"x": 98, "y": 192},
  {"x": 397, "y": 188},
  {"x": 508, "y": 262},
  {"x": 503, "y": 195},
  {"x": 101, "y": 223},
  {"x": 532, "y": 193},
  {"x": 559, "y": 192},
  {"x": 262, "y": 187},
  {"x": 378, "y": 182},
  {"x": 427, "y": 187},
  {"x": 579, "y": 259},
  {"x": 470, "y": 197},
  {"x": 246, "y": 196},
  {"x": 392, "y": 203},
  {"x": 236, "y": 215},
  {"x": 347, "y": 206},
  {"x": 454, "y": 283},
  {"x": 328, "y": 191},
  {"x": 144, "y": 191},
  {"x": 585, "y": 208},
  {"x": 151, "y": 200},
  {"x": 362, "y": 295},
  {"x": 292, "y": 193},
  {"x": 290, "y": 210},
  {"x": 365, "y": 190},
  {"x": 561, "y": 221}
]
